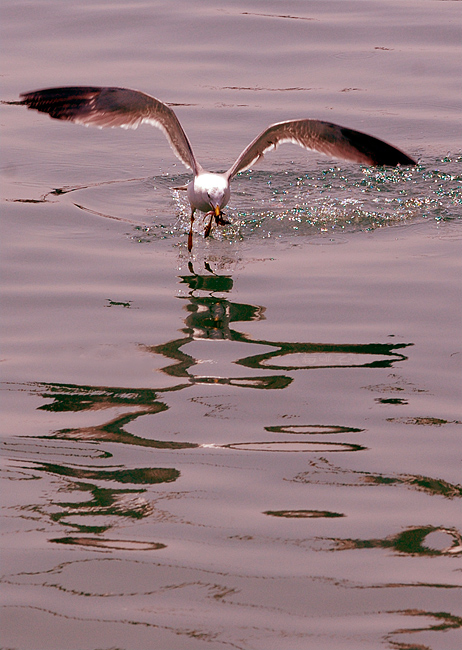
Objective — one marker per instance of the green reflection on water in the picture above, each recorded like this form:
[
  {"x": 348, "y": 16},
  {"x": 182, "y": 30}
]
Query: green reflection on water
[
  {"x": 94, "y": 398},
  {"x": 112, "y": 544},
  {"x": 113, "y": 432},
  {"x": 323, "y": 472},
  {"x": 105, "y": 503},
  {"x": 303, "y": 514},
  {"x": 409, "y": 542},
  {"x": 72, "y": 397},
  {"x": 138, "y": 475},
  {"x": 312, "y": 429},
  {"x": 209, "y": 317},
  {"x": 328, "y": 355},
  {"x": 446, "y": 621}
]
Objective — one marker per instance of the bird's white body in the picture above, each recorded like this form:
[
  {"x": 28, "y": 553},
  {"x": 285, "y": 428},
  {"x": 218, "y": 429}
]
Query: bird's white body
[{"x": 207, "y": 192}]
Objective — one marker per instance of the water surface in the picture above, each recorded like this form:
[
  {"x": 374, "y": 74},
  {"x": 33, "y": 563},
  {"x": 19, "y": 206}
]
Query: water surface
[{"x": 254, "y": 445}]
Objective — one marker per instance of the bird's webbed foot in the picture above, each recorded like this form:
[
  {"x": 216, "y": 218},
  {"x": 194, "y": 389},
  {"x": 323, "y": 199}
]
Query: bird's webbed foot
[{"x": 221, "y": 221}]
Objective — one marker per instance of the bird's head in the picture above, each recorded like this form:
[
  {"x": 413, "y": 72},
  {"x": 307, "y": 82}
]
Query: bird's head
[
  {"x": 215, "y": 202},
  {"x": 217, "y": 193}
]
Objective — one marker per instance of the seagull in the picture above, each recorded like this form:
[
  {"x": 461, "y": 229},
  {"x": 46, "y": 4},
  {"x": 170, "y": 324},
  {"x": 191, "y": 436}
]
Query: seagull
[{"x": 208, "y": 192}]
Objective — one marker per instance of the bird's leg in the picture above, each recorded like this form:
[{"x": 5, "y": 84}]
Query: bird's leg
[
  {"x": 219, "y": 220},
  {"x": 190, "y": 236},
  {"x": 208, "y": 227}
]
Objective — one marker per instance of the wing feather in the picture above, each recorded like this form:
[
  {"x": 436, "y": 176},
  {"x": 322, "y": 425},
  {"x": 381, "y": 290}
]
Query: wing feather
[
  {"x": 111, "y": 107},
  {"x": 324, "y": 137}
]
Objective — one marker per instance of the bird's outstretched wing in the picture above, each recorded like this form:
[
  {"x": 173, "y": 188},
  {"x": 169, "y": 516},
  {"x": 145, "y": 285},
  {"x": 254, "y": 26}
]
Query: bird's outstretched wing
[
  {"x": 324, "y": 137},
  {"x": 94, "y": 106}
]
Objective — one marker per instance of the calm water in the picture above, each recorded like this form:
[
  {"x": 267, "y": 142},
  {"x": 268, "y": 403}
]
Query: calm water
[{"x": 257, "y": 445}]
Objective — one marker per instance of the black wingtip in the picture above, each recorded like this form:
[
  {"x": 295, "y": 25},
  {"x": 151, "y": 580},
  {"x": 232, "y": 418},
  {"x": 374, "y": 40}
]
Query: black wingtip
[
  {"x": 396, "y": 158},
  {"x": 377, "y": 151},
  {"x": 59, "y": 103}
]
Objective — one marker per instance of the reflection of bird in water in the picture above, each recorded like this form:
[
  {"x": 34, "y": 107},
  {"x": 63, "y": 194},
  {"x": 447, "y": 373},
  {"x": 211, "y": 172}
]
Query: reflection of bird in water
[{"x": 207, "y": 192}]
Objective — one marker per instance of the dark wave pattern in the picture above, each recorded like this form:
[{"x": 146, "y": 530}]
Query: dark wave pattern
[
  {"x": 412, "y": 541},
  {"x": 138, "y": 475},
  {"x": 210, "y": 318},
  {"x": 312, "y": 429},
  {"x": 323, "y": 472}
]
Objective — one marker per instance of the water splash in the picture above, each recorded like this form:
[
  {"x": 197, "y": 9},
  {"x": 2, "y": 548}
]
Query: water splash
[{"x": 337, "y": 199}]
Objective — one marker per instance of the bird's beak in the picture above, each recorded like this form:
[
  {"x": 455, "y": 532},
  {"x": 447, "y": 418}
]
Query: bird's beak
[{"x": 217, "y": 210}]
